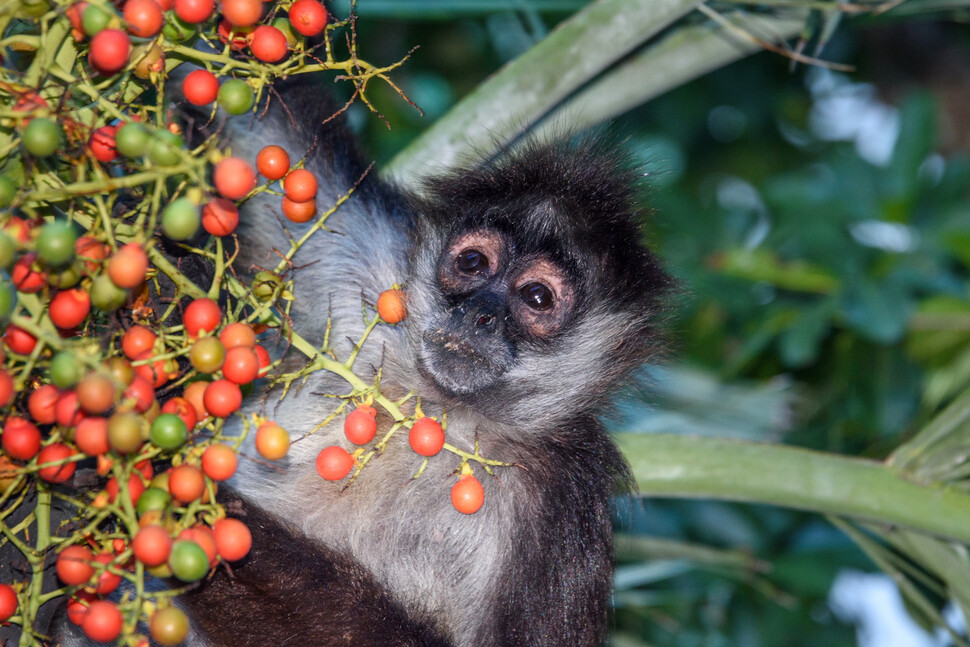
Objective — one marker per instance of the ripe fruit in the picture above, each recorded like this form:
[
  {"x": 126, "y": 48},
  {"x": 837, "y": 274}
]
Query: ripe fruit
[
  {"x": 56, "y": 473},
  {"x": 299, "y": 211},
  {"x": 236, "y": 97},
  {"x": 136, "y": 487},
  {"x": 360, "y": 426},
  {"x": 73, "y": 565},
  {"x": 219, "y": 462},
  {"x": 238, "y": 334},
  {"x": 308, "y": 17},
  {"x": 180, "y": 219},
  {"x": 152, "y": 545},
  {"x": 272, "y": 162},
  {"x": 268, "y": 44},
  {"x": 391, "y": 306},
  {"x": 272, "y": 441},
  {"x": 222, "y": 398},
  {"x": 220, "y": 217},
  {"x": 300, "y": 185},
  {"x": 6, "y": 388},
  {"x": 42, "y": 137},
  {"x": 107, "y": 581},
  {"x": 137, "y": 340},
  {"x": 142, "y": 392},
  {"x": 25, "y": 277},
  {"x": 67, "y": 410},
  {"x": 21, "y": 438},
  {"x": 102, "y": 622},
  {"x": 102, "y": 142},
  {"x": 233, "y": 539},
  {"x": 186, "y": 483},
  {"x": 109, "y": 50},
  {"x": 69, "y": 308},
  {"x": 8, "y": 602},
  {"x": 77, "y": 606},
  {"x": 426, "y": 437},
  {"x": 128, "y": 266},
  {"x": 334, "y": 463},
  {"x": 200, "y": 87},
  {"x": 194, "y": 11},
  {"x": 19, "y": 340},
  {"x": 467, "y": 495},
  {"x": 188, "y": 561},
  {"x": 169, "y": 626},
  {"x": 233, "y": 177},
  {"x": 194, "y": 394},
  {"x": 201, "y": 315},
  {"x": 242, "y": 13},
  {"x": 153, "y": 372},
  {"x": 143, "y": 17},
  {"x": 55, "y": 243},
  {"x": 236, "y": 37},
  {"x": 40, "y": 404},
  {"x": 264, "y": 359},
  {"x": 241, "y": 365},
  {"x": 91, "y": 436},
  {"x": 168, "y": 432}
]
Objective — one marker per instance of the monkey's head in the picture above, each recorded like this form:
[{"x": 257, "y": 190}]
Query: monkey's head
[{"x": 530, "y": 294}]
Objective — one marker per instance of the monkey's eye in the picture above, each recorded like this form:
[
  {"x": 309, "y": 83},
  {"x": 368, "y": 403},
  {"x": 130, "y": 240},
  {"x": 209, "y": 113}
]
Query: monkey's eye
[
  {"x": 472, "y": 261},
  {"x": 536, "y": 295}
]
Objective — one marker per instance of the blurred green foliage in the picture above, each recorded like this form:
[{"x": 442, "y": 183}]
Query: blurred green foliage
[{"x": 823, "y": 296}]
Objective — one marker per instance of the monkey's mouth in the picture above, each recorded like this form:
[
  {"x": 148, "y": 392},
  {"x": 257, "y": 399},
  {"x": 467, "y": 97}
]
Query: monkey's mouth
[{"x": 464, "y": 363}]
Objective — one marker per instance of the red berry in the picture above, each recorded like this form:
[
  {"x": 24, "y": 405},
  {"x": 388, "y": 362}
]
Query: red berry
[
  {"x": 8, "y": 601},
  {"x": 56, "y": 473},
  {"x": 21, "y": 438},
  {"x": 360, "y": 427},
  {"x": 103, "y": 621},
  {"x": 220, "y": 217},
  {"x": 300, "y": 185},
  {"x": 334, "y": 463},
  {"x": 200, "y": 87},
  {"x": 242, "y": 13},
  {"x": 234, "y": 178},
  {"x": 69, "y": 308},
  {"x": 19, "y": 340},
  {"x": 194, "y": 11},
  {"x": 109, "y": 50},
  {"x": 268, "y": 44},
  {"x": 308, "y": 17},
  {"x": 467, "y": 495},
  {"x": 102, "y": 143},
  {"x": 273, "y": 162},
  {"x": 143, "y": 17},
  {"x": 201, "y": 315},
  {"x": 426, "y": 437}
]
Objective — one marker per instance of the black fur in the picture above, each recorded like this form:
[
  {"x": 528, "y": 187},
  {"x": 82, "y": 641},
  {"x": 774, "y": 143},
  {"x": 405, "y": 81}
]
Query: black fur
[{"x": 290, "y": 590}]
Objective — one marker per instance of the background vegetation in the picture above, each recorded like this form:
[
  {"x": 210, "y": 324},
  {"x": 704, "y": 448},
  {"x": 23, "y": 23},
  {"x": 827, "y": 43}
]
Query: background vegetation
[{"x": 817, "y": 220}]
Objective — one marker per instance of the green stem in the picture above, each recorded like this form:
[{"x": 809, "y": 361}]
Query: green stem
[
  {"x": 37, "y": 557},
  {"x": 668, "y": 465}
]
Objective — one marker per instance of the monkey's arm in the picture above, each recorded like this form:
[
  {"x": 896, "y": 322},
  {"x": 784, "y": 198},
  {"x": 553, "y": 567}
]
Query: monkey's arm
[
  {"x": 290, "y": 590},
  {"x": 563, "y": 556}
]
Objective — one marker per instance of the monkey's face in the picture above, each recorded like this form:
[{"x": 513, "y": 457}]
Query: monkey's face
[{"x": 494, "y": 302}]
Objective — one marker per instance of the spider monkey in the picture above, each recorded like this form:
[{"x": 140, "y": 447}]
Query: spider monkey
[{"x": 529, "y": 299}]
